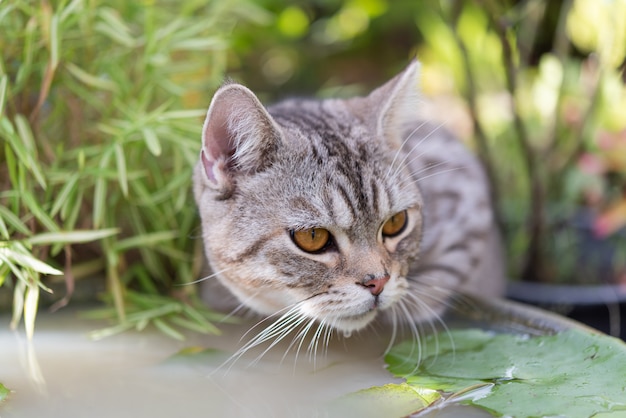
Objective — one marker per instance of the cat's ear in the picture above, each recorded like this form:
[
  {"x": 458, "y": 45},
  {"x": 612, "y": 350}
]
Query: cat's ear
[
  {"x": 238, "y": 136},
  {"x": 396, "y": 104}
]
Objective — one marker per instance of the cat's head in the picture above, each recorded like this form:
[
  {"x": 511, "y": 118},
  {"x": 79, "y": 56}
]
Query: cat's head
[{"x": 309, "y": 204}]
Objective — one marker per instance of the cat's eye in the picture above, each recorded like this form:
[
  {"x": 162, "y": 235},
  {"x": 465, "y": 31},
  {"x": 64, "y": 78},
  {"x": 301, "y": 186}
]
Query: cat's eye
[
  {"x": 395, "y": 225},
  {"x": 311, "y": 240}
]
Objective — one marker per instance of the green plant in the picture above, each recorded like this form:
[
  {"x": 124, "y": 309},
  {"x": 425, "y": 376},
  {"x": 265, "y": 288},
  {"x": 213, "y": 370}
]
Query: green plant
[
  {"x": 101, "y": 105},
  {"x": 538, "y": 91}
]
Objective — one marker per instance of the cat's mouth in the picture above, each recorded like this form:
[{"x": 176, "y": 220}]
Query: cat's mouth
[
  {"x": 353, "y": 316},
  {"x": 355, "y": 321}
]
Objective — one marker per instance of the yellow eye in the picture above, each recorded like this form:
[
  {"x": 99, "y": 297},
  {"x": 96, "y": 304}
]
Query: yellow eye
[
  {"x": 311, "y": 240},
  {"x": 395, "y": 224}
]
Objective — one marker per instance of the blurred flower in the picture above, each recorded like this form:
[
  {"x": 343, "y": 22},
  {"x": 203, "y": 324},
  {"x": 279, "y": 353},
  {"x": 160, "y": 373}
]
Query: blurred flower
[{"x": 607, "y": 163}]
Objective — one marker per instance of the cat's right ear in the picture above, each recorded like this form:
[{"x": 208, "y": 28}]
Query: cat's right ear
[{"x": 238, "y": 136}]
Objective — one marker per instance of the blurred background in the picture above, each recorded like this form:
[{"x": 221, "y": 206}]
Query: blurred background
[{"x": 101, "y": 105}]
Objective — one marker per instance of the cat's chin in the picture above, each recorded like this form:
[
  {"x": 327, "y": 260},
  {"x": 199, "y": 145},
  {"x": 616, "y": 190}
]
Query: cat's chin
[{"x": 349, "y": 323}]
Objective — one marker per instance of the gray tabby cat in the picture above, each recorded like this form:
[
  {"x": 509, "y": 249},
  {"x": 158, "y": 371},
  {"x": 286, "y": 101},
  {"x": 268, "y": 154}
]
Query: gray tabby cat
[{"x": 341, "y": 212}]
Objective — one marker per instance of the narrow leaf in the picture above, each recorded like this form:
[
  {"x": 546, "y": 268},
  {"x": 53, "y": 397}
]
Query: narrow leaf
[
  {"x": 168, "y": 330},
  {"x": 39, "y": 212},
  {"x": 4, "y": 79},
  {"x": 152, "y": 141},
  {"x": 90, "y": 80},
  {"x": 13, "y": 221},
  {"x": 72, "y": 237},
  {"x": 54, "y": 41},
  {"x": 28, "y": 156},
  {"x": 122, "y": 174},
  {"x": 145, "y": 240},
  {"x": 18, "y": 304},
  {"x": 28, "y": 261},
  {"x": 200, "y": 44},
  {"x": 63, "y": 194},
  {"x": 30, "y": 310}
]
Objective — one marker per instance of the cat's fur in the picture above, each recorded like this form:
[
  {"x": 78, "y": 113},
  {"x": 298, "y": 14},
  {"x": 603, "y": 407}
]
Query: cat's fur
[{"x": 346, "y": 166}]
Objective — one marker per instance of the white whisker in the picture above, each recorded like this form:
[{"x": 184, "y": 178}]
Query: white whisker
[
  {"x": 241, "y": 306},
  {"x": 403, "y": 162},
  {"x": 279, "y": 328},
  {"x": 299, "y": 338},
  {"x": 399, "y": 151},
  {"x": 437, "y": 173},
  {"x": 210, "y": 276}
]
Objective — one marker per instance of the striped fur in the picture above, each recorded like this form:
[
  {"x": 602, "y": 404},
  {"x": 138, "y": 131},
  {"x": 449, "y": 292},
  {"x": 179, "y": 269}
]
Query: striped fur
[{"x": 346, "y": 166}]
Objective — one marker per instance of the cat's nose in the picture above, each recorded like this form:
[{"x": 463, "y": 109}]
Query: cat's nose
[{"x": 375, "y": 284}]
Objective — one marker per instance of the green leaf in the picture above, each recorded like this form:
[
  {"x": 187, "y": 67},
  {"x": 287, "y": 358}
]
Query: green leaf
[
  {"x": 23, "y": 144},
  {"x": 55, "y": 41},
  {"x": 152, "y": 141},
  {"x": 112, "y": 26},
  {"x": 90, "y": 80},
  {"x": 27, "y": 260},
  {"x": 72, "y": 237},
  {"x": 200, "y": 44},
  {"x": 4, "y": 79},
  {"x": 110, "y": 331},
  {"x": 122, "y": 174},
  {"x": 145, "y": 240},
  {"x": 574, "y": 373},
  {"x": 168, "y": 330},
  {"x": 31, "y": 301},
  {"x": 392, "y": 400},
  {"x": 100, "y": 190},
  {"x": 39, "y": 212},
  {"x": 4, "y": 392},
  {"x": 12, "y": 220},
  {"x": 64, "y": 194}
]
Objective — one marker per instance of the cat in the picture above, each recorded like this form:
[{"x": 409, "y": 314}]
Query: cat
[{"x": 341, "y": 212}]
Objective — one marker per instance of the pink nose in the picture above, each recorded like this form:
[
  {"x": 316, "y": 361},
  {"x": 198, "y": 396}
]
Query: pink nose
[{"x": 375, "y": 284}]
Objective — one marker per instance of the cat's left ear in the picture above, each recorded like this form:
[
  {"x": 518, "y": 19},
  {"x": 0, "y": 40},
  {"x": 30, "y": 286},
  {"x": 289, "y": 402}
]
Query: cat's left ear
[
  {"x": 238, "y": 137},
  {"x": 396, "y": 104}
]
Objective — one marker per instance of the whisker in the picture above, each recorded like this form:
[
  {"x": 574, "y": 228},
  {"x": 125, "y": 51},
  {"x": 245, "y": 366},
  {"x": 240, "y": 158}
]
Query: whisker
[
  {"x": 416, "y": 341},
  {"x": 314, "y": 344},
  {"x": 394, "y": 328},
  {"x": 241, "y": 306},
  {"x": 403, "y": 163},
  {"x": 300, "y": 337},
  {"x": 281, "y": 327},
  {"x": 399, "y": 151},
  {"x": 210, "y": 276},
  {"x": 298, "y": 320},
  {"x": 328, "y": 332},
  {"x": 437, "y": 173},
  {"x": 433, "y": 317}
]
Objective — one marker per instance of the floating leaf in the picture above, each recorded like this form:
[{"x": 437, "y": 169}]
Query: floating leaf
[
  {"x": 573, "y": 374},
  {"x": 392, "y": 400},
  {"x": 4, "y": 392}
]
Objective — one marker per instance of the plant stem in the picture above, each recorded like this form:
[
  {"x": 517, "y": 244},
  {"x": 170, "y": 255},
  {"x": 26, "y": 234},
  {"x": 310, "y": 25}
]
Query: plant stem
[
  {"x": 533, "y": 260},
  {"x": 480, "y": 136}
]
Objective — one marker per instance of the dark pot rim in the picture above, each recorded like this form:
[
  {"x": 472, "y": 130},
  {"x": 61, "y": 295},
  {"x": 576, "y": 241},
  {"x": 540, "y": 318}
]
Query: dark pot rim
[{"x": 556, "y": 294}]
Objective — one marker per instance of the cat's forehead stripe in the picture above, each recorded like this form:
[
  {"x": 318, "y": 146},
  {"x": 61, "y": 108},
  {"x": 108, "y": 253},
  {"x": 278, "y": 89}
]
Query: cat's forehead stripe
[{"x": 337, "y": 144}]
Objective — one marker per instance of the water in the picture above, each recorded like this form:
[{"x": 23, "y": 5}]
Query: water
[{"x": 65, "y": 374}]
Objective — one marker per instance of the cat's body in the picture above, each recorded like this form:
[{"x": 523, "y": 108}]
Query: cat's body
[{"x": 342, "y": 211}]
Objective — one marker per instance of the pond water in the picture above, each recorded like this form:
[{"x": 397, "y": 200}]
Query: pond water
[{"x": 65, "y": 374}]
